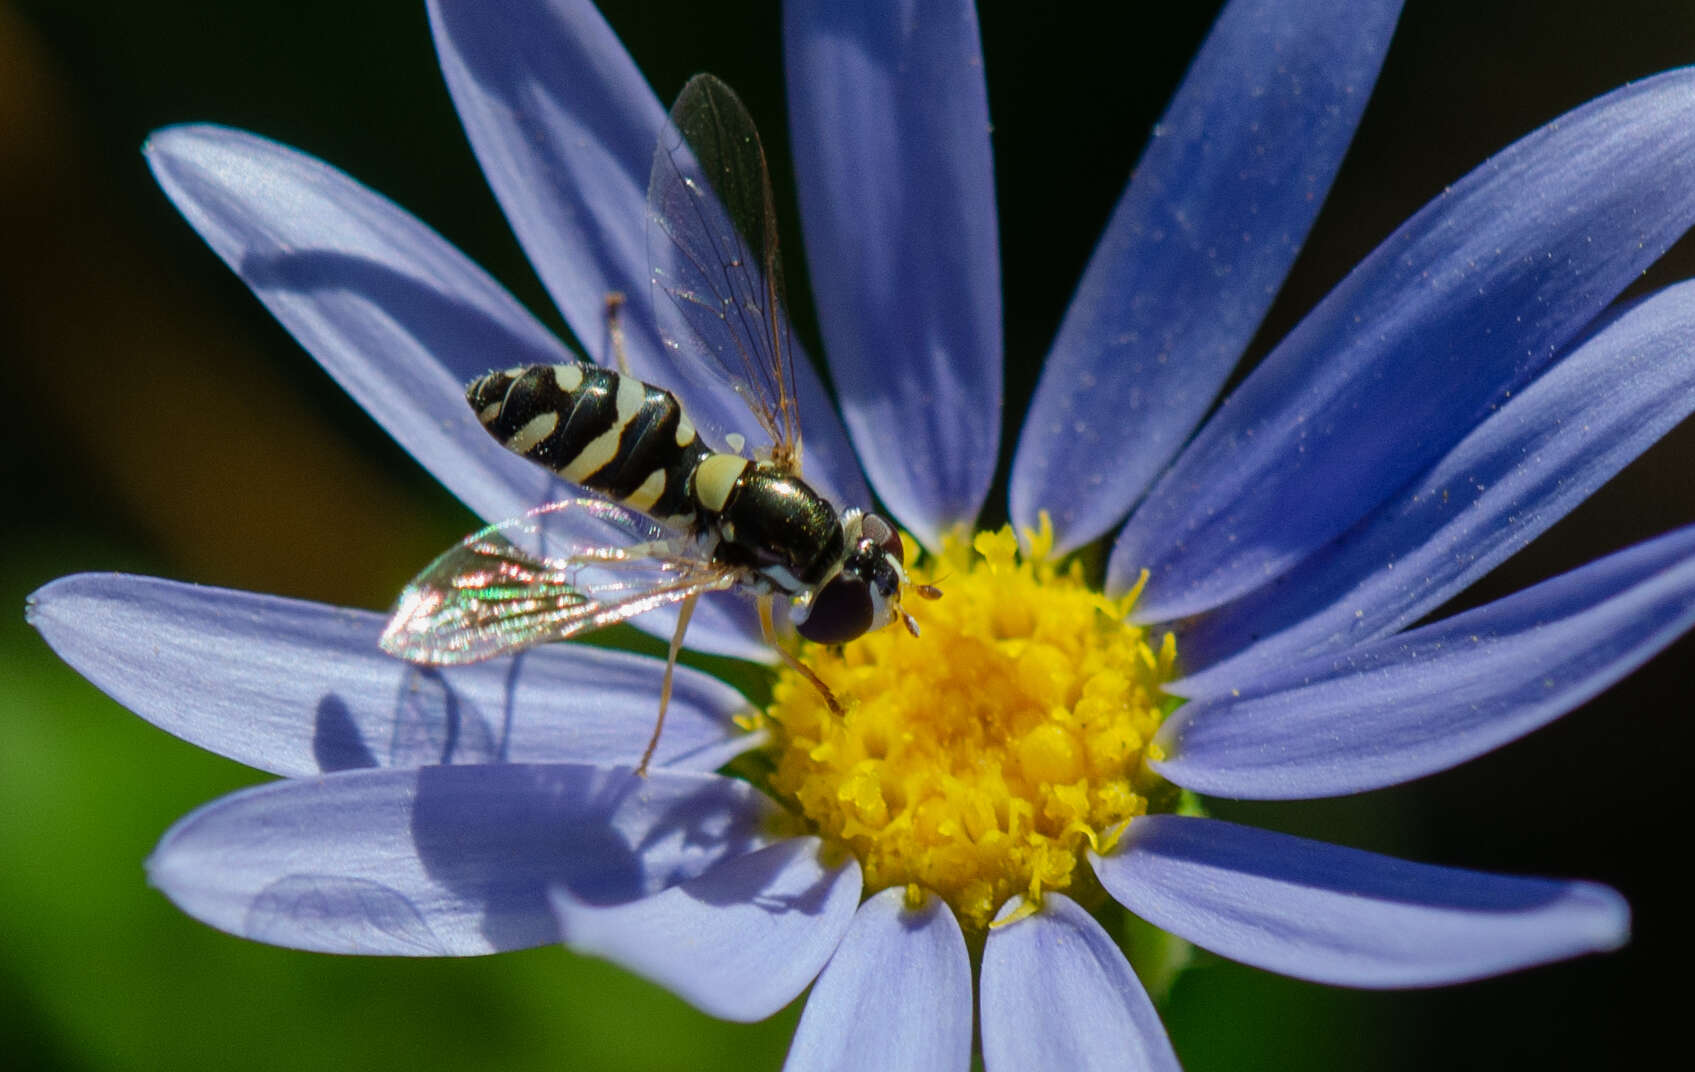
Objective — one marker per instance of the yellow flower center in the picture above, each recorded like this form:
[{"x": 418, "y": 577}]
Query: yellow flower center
[{"x": 980, "y": 760}]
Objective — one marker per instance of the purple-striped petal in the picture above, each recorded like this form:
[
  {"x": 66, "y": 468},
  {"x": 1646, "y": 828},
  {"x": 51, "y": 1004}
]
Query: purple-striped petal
[
  {"x": 1058, "y": 993},
  {"x": 399, "y": 317},
  {"x": 297, "y": 688},
  {"x": 896, "y": 994},
  {"x": 565, "y": 127},
  {"x": 1342, "y": 916},
  {"x": 889, "y": 118},
  {"x": 1196, "y": 250},
  {"x": 1432, "y": 698},
  {"x": 1465, "y": 303},
  {"x": 1541, "y": 453},
  {"x": 740, "y": 941},
  {"x": 445, "y": 861}
]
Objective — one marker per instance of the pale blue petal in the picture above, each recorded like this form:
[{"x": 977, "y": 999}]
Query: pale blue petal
[
  {"x": 1464, "y": 304},
  {"x": 1351, "y": 918},
  {"x": 400, "y": 318},
  {"x": 740, "y": 941},
  {"x": 1058, "y": 993},
  {"x": 896, "y": 995},
  {"x": 1214, "y": 214},
  {"x": 445, "y": 861},
  {"x": 889, "y": 119},
  {"x": 297, "y": 688},
  {"x": 1432, "y": 698},
  {"x": 565, "y": 127},
  {"x": 1541, "y": 453}
]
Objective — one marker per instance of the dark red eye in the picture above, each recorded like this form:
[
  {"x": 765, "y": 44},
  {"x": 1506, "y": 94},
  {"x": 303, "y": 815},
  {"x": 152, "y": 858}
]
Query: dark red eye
[
  {"x": 884, "y": 535},
  {"x": 840, "y": 612}
]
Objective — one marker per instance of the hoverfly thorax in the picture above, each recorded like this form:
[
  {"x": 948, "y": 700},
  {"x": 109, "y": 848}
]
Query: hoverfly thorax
[{"x": 775, "y": 525}]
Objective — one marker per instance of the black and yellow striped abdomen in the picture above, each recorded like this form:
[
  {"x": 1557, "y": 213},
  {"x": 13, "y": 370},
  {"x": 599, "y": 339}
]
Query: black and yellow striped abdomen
[
  {"x": 632, "y": 442},
  {"x": 594, "y": 427}
]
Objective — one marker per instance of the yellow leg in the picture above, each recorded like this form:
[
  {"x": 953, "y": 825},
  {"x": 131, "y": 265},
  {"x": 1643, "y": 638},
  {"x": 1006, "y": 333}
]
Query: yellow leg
[
  {"x": 684, "y": 613},
  {"x": 770, "y": 632}
]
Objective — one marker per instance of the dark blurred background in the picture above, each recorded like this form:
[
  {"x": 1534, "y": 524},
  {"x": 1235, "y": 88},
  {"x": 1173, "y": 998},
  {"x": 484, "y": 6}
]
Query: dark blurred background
[{"x": 160, "y": 421}]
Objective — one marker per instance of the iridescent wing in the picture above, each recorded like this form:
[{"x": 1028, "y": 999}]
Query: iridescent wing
[
  {"x": 523, "y": 582},
  {"x": 712, "y": 240}
]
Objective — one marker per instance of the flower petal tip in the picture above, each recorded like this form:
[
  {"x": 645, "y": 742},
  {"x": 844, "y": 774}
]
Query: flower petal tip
[{"x": 1611, "y": 915}]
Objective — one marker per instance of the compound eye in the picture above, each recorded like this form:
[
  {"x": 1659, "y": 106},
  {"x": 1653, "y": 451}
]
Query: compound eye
[
  {"x": 842, "y": 611},
  {"x": 884, "y": 535}
]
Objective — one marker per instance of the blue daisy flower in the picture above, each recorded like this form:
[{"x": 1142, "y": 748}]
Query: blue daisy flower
[{"x": 1001, "y": 784}]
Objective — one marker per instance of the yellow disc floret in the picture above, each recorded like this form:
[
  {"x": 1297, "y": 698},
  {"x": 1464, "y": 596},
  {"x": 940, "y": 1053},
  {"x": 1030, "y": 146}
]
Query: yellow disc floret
[{"x": 980, "y": 760}]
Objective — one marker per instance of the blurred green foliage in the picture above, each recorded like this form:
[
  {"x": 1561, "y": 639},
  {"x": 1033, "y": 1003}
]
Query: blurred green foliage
[{"x": 161, "y": 422}]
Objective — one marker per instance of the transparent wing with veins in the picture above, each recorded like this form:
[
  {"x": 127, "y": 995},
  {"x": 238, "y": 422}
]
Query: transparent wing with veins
[
  {"x": 520, "y": 583},
  {"x": 712, "y": 240}
]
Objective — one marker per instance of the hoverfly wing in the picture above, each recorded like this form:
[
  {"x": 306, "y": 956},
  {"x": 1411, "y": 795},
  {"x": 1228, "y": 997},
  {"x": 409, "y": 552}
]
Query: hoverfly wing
[
  {"x": 717, "y": 277},
  {"x": 497, "y": 591}
]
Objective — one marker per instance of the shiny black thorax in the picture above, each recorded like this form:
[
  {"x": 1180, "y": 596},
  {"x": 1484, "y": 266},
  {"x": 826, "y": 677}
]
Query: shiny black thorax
[{"x": 774, "y": 519}]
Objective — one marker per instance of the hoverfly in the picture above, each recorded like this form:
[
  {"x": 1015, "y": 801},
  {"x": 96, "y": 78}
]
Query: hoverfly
[{"x": 673, "y": 518}]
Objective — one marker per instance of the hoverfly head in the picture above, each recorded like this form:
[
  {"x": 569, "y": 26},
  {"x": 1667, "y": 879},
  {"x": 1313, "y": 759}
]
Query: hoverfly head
[{"x": 864, "y": 594}]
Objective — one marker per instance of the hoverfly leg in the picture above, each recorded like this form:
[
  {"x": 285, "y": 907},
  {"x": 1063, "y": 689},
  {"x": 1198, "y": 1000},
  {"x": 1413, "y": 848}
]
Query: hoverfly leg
[
  {"x": 685, "y": 610},
  {"x": 770, "y": 633},
  {"x": 805, "y": 671},
  {"x": 615, "y": 302}
]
